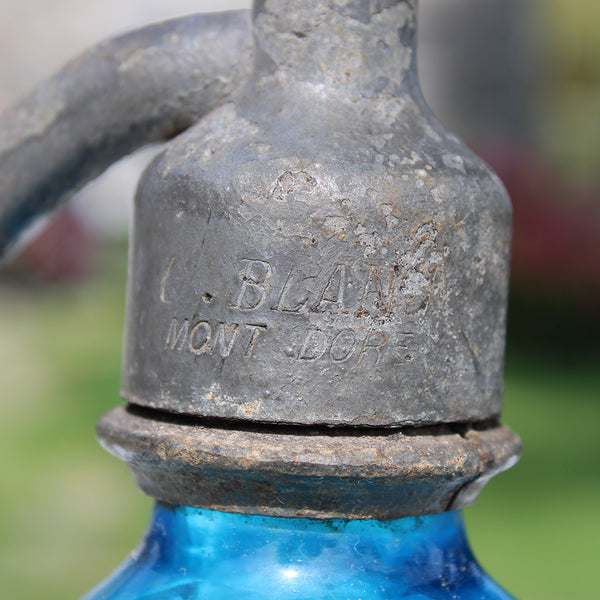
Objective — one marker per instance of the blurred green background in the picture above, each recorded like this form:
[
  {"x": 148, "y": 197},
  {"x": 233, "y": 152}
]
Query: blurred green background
[{"x": 69, "y": 512}]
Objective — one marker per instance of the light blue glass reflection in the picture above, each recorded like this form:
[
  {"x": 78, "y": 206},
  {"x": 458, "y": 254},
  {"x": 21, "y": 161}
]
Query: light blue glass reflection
[{"x": 191, "y": 553}]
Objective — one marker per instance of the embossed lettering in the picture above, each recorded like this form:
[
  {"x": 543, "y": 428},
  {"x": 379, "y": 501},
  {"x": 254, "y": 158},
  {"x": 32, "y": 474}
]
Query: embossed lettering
[
  {"x": 224, "y": 344},
  {"x": 256, "y": 329},
  {"x": 371, "y": 293},
  {"x": 209, "y": 339},
  {"x": 163, "y": 283},
  {"x": 373, "y": 343},
  {"x": 340, "y": 346},
  {"x": 255, "y": 278},
  {"x": 343, "y": 345},
  {"x": 177, "y": 334},
  {"x": 332, "y": 296},
  {"x": 388, "y": 295},
  {"x": 284, "y": 304},
  {"x": 314, "y": 346},
  {"x": 199, "y": 342},
  {"x": 373, "y": 300}
]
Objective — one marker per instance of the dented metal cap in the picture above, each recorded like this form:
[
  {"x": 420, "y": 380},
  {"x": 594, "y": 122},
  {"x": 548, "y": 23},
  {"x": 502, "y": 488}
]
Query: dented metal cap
[{"x": 318, "y": 282}]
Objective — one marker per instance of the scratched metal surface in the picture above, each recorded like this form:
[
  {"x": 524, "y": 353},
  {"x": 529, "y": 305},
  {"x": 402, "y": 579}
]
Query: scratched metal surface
[
  {"x": 142, "y": 87},
  {"x": 324, "y": 474},
  {"x": 318, "y": 270},
  {"x": 320, "y": 250}
]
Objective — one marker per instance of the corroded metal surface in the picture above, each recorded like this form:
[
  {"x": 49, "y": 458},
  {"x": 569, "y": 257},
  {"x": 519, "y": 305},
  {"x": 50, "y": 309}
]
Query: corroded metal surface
[
  {"x": 327, "y": 252},
  {"x": 145, "y": 86},
  {"x": 320, "y": 474},
  {"x": 318, "y": 270}
]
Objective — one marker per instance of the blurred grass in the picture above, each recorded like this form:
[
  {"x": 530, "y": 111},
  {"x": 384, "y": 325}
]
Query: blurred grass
[
  {"x": 69, "y": 512},
  {"x": 568, "y": 104},
  {"x": 536, "y": 528}
]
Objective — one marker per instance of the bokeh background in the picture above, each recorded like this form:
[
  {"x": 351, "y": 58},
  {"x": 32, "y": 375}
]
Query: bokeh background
[{"x": 519, "y": 80}]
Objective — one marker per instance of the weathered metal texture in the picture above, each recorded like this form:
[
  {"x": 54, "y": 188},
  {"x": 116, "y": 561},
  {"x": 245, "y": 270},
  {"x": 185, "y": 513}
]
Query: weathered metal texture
[
  {"x": 318, "y": 271},
  {"x": 320, "y": 250},
  {"x": 295, "y": 472},
  {"x": 143, "y": 87}
]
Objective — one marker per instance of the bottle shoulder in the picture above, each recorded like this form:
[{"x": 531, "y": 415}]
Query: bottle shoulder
[
  {"x": 377, "y": 149},
  {"x": 220, "y": 555},
  {"x": 353, "y": 243}
]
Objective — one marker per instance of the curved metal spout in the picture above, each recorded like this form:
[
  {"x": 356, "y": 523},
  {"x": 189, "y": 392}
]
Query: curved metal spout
[{"x": 143, "y": 87}]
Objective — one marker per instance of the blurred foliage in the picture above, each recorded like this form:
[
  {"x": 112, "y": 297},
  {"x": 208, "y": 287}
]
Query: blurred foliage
[
  {"x": 69, "y": 512},
  {"x": 574, "y": 44},
  {"x": 570, "y": 127}
]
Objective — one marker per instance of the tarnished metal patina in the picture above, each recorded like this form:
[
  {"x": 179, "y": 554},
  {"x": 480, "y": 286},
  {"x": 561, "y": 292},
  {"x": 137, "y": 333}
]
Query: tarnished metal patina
[
  {"x": 143, "y": 87},
  {"x": 319, "y": 473},
  {"x": 318, "y": 276}
]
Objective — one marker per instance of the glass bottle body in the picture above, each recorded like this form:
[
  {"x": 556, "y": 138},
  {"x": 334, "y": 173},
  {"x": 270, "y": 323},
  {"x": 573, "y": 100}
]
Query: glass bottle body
[{"x": 192, "y": 553}]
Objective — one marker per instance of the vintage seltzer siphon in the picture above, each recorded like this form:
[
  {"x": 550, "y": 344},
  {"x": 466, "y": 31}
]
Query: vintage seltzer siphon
[{"x": 316, "y": 301}]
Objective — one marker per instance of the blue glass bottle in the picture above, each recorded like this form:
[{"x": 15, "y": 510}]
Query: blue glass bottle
[{"x": 193, "y": 553}]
